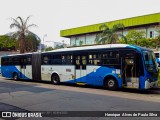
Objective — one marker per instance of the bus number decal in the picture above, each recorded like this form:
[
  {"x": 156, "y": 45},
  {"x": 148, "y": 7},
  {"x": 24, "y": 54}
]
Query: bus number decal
[{"x": 68, "y": 70}]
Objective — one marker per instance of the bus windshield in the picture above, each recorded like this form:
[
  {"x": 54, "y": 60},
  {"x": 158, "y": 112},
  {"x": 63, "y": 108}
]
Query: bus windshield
[{"x": 150, "y": 61}]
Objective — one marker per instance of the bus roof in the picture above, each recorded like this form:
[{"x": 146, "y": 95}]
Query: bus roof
[
  {"x": 95, "y": 47},
  {"x": 17, "y": 54}
]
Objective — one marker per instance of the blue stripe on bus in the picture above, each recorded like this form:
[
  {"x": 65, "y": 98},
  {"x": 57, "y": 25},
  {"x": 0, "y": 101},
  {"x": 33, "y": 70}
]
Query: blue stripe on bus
[
  {"x": 7, "y": 71},
  {"x": 142, "y": 82},
  {"x": 96, "y": 78}
]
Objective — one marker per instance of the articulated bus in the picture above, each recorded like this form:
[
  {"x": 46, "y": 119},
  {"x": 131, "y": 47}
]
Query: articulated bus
[{"x": 112, "y": 66}]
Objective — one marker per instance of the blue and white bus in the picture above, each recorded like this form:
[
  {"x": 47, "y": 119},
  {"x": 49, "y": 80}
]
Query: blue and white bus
[{"x": 112, "y": 66}]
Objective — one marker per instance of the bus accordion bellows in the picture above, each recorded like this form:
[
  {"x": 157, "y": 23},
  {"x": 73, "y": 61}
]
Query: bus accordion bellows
[{"x": 112, "y": 66}]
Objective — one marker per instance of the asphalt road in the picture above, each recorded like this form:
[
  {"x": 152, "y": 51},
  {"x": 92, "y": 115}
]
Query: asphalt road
[{"x": 33, "y": 96}]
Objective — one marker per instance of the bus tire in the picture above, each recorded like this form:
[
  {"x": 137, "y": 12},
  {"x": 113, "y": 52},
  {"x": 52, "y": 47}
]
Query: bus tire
[
  {"x": 15, "y": 76},
  {"x": 55, "y": 79},
  {"x": 111, "y": 83}
]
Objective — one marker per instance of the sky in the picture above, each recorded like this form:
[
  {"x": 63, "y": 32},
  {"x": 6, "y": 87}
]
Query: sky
[{"x": 51, "y": 16}]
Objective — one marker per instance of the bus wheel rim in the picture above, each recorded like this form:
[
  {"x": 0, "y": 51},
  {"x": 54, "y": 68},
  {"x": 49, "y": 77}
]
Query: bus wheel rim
[
  {"x": 15, "y": 77},
  {"x": 111, "y": 83},
  {"x": 55, "y": 79}
]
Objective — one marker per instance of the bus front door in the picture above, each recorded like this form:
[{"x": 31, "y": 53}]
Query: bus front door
[
  {"x": 81, "y": 69},
  {"x": 129, "y": 76}
]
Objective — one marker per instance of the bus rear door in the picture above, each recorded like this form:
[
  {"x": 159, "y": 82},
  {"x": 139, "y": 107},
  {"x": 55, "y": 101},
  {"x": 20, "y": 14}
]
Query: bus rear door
[{"x": 81, "y": 61}]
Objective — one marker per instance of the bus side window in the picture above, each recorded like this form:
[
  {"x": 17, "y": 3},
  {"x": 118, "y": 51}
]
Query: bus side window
[
  {"x": 110, "y": 58},
  {"x": 94, "y": 58},
  {"x": 28, "y": 60},
  {"x": 4, "y": 61},
  {"x": 77, "y": 60},
  {"x": 157, "y": 55},
  {"x": 84, "y": 61},
  {"x": 69, "y": 59},
  {"x": 45, "y": 60},
  {"x": 63, "y": 59},
  {"x": 24, "y": 61},
  {"x": 14, "y": 60},
  {"x": 57, "y": 60}
]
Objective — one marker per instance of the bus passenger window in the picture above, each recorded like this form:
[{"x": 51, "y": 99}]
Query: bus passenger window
[
  {"x": 63, "y": 59},
  {"x": 29, "y": 61},
  {"x": 157, "y": 55},
  {"x": 84, "y": 60},
  {"x": 94, "y": 58},
  {"x": 77, "y": 61},
  {"x": 45, "y": 60}
]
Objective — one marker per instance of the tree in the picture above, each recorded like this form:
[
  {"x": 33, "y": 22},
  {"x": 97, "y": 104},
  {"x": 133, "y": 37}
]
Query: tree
[
  {"x": 22, "y": 30},
  {"x": 80, "y": 43},
  {"x": 136, "y": 37},
  {"x": 109, "y": 35},
  {"x": 158, "y": 36},
  {"x": 7, "y": 43},
  {"x": 32, "y": 42},
  {"x": 49, "y": 49},
  {"x": 59, "y": 46}
]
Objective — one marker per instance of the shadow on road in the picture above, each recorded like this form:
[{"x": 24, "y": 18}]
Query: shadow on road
[
  {"x": 128, "y": 90},
  {"x": 14, "y": 87}
]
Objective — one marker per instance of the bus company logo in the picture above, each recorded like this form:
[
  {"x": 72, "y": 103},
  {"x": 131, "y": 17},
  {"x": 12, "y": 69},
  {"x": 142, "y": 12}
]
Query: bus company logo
[
  {"x": 21, "y": 114},
  {"x": 6, "y": 114}
]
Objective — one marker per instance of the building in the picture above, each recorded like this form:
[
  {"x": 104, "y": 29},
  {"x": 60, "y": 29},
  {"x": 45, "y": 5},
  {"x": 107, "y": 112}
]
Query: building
[
  {"x": 60, "y": 45},
  {"x": 86, "y": 35},
  {"x": 57, "y": 44}
]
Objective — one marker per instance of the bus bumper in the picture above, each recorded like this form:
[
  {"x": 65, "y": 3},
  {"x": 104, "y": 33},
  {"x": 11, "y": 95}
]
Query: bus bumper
[{"x": 149, "y": 85}]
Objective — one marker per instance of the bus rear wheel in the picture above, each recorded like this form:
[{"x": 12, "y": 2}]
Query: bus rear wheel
[
  {"x": 111, "y": 84},
  {"x": 15, "y": 76},
  {"x": 55, "y": 79}
]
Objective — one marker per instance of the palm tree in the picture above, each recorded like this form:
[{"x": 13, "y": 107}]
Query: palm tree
[
  {"x": 109, "y": 35},
  {"x": 22, "y": 30}
]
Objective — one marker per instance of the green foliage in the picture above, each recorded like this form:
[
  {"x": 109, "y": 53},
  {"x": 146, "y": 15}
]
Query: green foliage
[
  {"x": 158, "y": 37},
  {"x": 32, "y": 41},
  {"x": 109, "y": 35},
  {"x": 59, "y": 46},
  {"x": 7, "y": 43},
  {"x": 49, "y": 49},
  {"x": 80, "y": 43},
  {"x": 136, "y": 37}
]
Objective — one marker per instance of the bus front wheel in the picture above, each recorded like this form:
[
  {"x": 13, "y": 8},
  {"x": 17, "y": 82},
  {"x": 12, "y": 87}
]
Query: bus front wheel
[
  {"x": 111, "y": 84},
  {"x": 15, "y": 76},
  {"x": 55, "y": 79}
]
